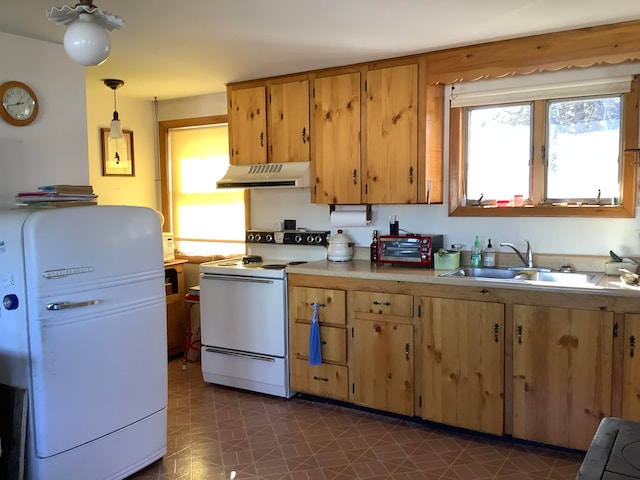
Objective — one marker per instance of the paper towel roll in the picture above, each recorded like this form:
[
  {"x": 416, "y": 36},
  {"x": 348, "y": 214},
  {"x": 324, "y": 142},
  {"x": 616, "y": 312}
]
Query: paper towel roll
[{"x": 349, "y": 218}]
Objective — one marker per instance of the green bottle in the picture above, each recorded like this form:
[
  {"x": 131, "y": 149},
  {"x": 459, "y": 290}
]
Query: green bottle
[{"x": 476, "y": 254}]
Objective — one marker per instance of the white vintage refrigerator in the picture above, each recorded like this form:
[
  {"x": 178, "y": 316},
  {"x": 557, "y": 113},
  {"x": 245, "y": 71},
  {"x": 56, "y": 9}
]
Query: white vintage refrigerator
[{"x": 83, "y": 329}]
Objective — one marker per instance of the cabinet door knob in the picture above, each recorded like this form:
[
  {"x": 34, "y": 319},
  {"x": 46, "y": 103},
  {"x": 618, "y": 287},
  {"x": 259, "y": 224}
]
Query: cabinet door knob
[
  {"x": 520, "y": 334},
  {"x": 355, "y": 176},
  {"x": 632, "y": 345},
  {"x": 304, "y": 134},
  {"x": 496, "y": 331},
  {"x": 411, "y": 175},
  {"x": 406, "y": 352},
  {"x": 261, "y": 138}
]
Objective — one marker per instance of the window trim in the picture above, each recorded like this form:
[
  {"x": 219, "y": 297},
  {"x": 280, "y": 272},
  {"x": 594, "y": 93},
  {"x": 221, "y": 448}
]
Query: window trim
[
  {"x": 627, "y": 204},
  {"x": 163, "y": 154}
]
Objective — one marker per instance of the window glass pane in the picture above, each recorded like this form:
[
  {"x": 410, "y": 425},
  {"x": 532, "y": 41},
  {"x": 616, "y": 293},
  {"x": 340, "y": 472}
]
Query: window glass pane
[
  {"x": 583, "y": 149},
  {"x": 205, "y": 221},
  {"x": 498, "y": 151}
]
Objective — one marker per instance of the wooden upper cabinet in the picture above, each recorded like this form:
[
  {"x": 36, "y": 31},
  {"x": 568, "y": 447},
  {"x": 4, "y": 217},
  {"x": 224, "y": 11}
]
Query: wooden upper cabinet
[
  {"x": 248, "y": 126},
  {"x": 392, "y": 135},
  {"x": 562, "y": 374},
  {"x": 337, "y": 139},
  {"x": 289, "y": 122}
]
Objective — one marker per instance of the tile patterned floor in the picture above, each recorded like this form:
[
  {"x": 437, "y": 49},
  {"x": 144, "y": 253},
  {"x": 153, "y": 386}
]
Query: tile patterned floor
[{"x": 216, "y": 433}]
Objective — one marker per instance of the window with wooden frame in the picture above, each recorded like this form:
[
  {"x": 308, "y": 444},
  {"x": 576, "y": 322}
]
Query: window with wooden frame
[
  {"x": 545, "y": 147},
  {"x": 206, "y": 222}
]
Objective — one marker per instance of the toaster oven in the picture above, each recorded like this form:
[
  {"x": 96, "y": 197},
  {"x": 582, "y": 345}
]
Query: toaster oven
[{"x": 413, "y": 249}]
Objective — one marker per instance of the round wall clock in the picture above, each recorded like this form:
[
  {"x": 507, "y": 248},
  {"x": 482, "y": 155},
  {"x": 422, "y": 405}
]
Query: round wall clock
[{"x": 19, "y": 103}]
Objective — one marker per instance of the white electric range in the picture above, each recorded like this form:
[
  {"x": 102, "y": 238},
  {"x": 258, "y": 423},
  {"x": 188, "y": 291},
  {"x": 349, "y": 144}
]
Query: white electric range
[{"x": 244, "y": 309}]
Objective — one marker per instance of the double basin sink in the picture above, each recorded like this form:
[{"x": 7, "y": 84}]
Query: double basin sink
[{"x": 527, "y": 275}]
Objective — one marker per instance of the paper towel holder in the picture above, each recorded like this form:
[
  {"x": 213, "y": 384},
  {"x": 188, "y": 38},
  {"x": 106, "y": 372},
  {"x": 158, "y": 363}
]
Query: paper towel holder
[{"x": 332, "y": 208}]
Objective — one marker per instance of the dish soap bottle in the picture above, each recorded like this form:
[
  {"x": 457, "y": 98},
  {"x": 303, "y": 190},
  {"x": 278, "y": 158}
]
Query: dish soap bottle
[
  {"x": 476, "y": 254},
  {"x": 489, "y": 255}
]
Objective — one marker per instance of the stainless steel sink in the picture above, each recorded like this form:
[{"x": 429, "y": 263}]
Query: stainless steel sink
[
  {"x": 479, "y": 272},
  {"x": 527, "y": 275}
]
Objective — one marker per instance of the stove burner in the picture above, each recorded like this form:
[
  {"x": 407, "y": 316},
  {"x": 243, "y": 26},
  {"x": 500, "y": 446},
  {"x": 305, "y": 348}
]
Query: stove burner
[
  {"x": 295, "y": 263},
  {"x": 251, "y": 259},
  {"x": 274, "y": 266}
]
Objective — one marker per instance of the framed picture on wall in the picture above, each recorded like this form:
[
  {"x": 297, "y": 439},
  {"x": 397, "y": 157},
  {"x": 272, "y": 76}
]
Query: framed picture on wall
[{"x": 117, "y": 154}]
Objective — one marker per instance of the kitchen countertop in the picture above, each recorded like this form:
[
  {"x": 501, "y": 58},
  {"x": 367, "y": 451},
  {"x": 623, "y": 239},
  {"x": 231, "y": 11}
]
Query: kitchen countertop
[{"x": 364, "y": 269}]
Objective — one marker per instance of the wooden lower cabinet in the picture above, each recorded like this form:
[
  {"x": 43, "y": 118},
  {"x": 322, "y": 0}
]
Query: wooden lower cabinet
[
  {"x": 463, "y": 363},
  {"x": 382, "y": 368},
  {"x": 331, "y": 378},
  {"x": 176, "y": 313},
  {"x": 631, "y": 368},
  {"x": 382, "y": 351},
  {"x": 325, "y": 380},
  {"x": 562, "y": 373}
]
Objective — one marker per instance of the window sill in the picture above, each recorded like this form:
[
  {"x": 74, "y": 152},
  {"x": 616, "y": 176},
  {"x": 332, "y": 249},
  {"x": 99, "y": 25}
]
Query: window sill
[{"x": 594, "y": 211}]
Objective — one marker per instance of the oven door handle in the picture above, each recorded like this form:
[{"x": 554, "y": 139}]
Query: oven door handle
[
  {"x": 251, "y": 356},
  {"x": 236, "y": 279}
]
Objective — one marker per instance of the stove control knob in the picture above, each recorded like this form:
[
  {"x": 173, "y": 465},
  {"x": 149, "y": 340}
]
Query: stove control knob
[
  {"x": 268, "y": 237},
  {"x": 318, "y": 239},
  {"x": 10, "y": 302},
  {"x": 258, "y": 238},
  {"x": 250, "y": 237},
  {"x": 298, "y": 238},
  {"x": 310, "y": 239}
]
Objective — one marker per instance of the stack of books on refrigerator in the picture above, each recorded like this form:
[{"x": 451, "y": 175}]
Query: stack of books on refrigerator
[{"x": 57, "y": 196}]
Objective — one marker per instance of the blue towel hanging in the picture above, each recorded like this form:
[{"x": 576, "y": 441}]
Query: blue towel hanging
[{"x": 315, "y": 355}]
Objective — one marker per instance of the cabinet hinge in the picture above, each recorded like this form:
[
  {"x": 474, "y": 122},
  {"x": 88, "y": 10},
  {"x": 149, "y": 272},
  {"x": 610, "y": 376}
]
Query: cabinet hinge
[
  {"x": 419, "y": 311},
  {"x": 615, "y": 330},
  {"x": 420, "y": 400},
  {"x": 366, "y": 188},
  {"x": 351, "y": 332},
  {"x": 353, "y": 388},
  {"x": 269, "y": 98}
]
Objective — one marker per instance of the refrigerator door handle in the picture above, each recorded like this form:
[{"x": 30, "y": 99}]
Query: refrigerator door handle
[{"x": 67, "y": 305}]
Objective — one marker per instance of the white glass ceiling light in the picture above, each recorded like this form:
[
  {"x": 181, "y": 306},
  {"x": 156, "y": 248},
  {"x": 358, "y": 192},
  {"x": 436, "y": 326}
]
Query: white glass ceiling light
[
  {"x": 115, "y": 127},
  {"x": 85, "y": 41}
]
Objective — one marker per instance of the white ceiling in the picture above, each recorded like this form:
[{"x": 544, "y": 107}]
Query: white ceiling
[{"x": 179, "y": 48}]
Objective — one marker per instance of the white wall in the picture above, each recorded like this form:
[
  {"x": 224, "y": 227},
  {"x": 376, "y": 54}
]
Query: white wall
[
  {"x": 52, "y": 149},
  {"x": 136, "y": 115},
  {"x": 571, "y": 236}
]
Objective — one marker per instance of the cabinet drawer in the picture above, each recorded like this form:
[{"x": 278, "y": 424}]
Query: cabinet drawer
[
  {"x": 323, "y": 380},
  {"x": 332, "y": 304},
  {"x": 374, "y": 304},
  {"x": 333, "y": 342}
]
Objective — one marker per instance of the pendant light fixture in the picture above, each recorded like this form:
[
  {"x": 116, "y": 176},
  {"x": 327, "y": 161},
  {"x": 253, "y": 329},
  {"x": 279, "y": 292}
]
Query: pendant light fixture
[
  {"x": 86, "y": 40},
  {"x": 115, "y": 128}
]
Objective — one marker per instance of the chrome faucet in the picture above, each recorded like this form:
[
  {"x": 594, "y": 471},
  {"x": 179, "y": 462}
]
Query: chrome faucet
[{"x": 527, "y": 261}]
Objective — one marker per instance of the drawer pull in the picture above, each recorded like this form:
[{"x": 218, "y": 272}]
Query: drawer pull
[
  {"x": 323, "y": 342},
  {"x": 320, "y": 379},
  {"x": 318, "y": 304},
  {"x": 384, "y": 304}
]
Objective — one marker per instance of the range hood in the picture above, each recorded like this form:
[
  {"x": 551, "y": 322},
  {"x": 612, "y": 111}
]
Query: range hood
[{"x": 266, "y": 175}]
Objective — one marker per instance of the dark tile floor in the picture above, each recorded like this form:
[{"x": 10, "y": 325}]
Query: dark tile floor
[{"x": 217, "y": 433}]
